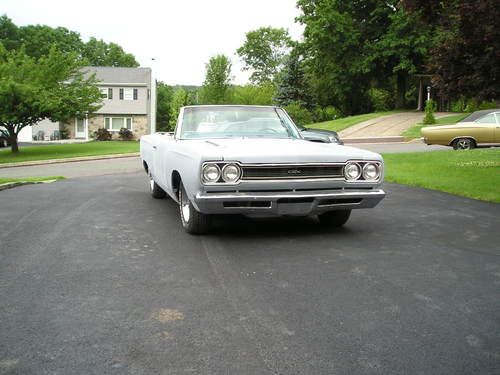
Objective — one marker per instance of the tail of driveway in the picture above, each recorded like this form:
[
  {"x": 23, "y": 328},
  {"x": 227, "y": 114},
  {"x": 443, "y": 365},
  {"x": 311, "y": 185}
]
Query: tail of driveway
[{"x": 386, "y": 126}]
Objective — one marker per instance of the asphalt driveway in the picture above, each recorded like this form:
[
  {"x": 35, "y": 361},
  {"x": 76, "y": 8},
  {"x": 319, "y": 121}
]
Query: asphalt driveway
[{"x": 96, "y": 277}]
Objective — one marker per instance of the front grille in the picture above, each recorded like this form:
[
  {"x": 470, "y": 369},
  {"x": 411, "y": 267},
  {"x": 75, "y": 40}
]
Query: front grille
[{"x": 291, "y": 172}]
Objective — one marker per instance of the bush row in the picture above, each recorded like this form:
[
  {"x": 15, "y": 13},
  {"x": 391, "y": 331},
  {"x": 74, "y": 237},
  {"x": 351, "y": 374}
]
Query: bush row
[
  {"x": 471, "y": 105},
  {"x": 103, "y": 134},
  {"x": 304, "y": 116}
]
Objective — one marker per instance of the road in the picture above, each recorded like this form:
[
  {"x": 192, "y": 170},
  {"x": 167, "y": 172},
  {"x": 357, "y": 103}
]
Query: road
[
  {"x": 133, "y": 164},
  {"x": 96, "y": 277}
]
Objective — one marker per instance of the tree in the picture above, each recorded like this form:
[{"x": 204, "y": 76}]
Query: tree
[
  {"x": 38, "y": 40},
  {"x": 179, "y": 100},
  {"x": 100, "y": 53},
  {"x": 253, "y": 94},
  {"x": 264, "y": 51},
  {"x": 9, "y": 33},
  {"x": 293, "y": 85},
  {"x": 217, "y": 82},
  {"x": 465, "y": 59},
  {"x": 355, "y": 45},
  {"x": 164, "y": 95},
  {"x": 52, "y": 86},
  {"x": 402, "y": 50}
]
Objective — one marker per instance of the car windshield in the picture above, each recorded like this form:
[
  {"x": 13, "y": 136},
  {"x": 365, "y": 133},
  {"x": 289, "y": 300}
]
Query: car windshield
[{"x": 234, "y": 121}]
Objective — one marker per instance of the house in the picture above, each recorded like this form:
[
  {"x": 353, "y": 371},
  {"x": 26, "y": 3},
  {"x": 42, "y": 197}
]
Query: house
[{"x": 129, "y": 101}]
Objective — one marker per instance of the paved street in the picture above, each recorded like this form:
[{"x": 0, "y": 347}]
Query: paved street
[
  {"x": 77, "y": 169},
  {"x": 96, "y": 277}
]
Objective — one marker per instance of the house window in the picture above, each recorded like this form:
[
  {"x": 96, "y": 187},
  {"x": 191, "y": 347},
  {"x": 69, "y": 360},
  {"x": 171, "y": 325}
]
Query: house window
[
  {"x": 128, "y": 94},
  {"x": 114, "y": 124},
  {"x": 107, "y": 93}
]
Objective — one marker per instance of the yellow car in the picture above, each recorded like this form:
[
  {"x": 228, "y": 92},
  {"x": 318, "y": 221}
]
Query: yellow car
[{"x": 479, "y": 128}]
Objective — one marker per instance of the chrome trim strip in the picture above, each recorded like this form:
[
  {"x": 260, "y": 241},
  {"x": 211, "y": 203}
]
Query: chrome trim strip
[{"x": 264, "y": 196}]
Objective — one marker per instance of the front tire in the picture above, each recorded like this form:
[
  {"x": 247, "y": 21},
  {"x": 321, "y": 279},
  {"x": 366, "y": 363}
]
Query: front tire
[
  {"x": 156, "y": 191},
  {"x": 334, "y": 219},
  {"x": 193, "y": 222},
  {"x": 464, "y": 144}
]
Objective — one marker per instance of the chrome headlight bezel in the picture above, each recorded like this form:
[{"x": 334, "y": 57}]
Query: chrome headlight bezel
[
  {"x": 225, "y": 168},
  {"x": 364, "y": 165},
  {"x": 204, "y": 173},
  {"x": 355, "y": 165},
  {"x": 365, "y": 171}
]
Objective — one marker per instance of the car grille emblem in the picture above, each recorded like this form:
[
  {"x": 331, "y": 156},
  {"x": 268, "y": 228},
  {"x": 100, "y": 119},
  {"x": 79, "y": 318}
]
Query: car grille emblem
[{"x": 294, "y": 172}]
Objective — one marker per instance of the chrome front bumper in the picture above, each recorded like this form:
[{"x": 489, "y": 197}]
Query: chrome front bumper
[{"x": 286, "y": 203}]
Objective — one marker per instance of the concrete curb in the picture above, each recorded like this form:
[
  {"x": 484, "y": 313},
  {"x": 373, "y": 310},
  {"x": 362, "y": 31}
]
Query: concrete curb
[
  {"x": 68, "y": 160},
  {"x": 10, "y": 185},
  {"x": 389, "y": 139}
]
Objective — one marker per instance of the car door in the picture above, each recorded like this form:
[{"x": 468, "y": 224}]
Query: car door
[{"x": 485, "y": 128}]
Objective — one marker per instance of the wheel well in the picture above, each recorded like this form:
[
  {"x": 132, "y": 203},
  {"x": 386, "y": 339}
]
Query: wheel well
[
  {"x": 176, "y": 182},
  {"x": 457, "y": 138},
  {"x": 145, "y": 165}
]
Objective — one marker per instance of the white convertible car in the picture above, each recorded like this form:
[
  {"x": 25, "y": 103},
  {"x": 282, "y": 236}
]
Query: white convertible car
[{"x": 252, "y": 160}]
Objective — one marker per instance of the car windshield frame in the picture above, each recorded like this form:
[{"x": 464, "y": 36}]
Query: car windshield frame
[{"x": 232, "y": 121}]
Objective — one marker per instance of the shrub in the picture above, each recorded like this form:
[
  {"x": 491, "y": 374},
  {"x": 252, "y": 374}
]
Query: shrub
[
  {"x": 459, "y": 105},
  {"x": 299, "y": 114},
  {"x": 430, "y": 108},
  {"x": 102, "y": 134},
  {"x": 381, "y": 99},
  {"x": 474, "y": 105},
  {"x": 326, "y": 114},
  {"x": 488, "y": 105},
  {"x": 125, "y": 134}
]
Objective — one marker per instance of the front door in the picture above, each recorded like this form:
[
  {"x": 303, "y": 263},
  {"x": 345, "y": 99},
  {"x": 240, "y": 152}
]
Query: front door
[{"x": 81, "y": 128}]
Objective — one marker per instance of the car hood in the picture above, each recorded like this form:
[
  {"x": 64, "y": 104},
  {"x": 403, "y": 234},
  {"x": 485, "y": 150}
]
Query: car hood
[{"x": 251, "y": 150}]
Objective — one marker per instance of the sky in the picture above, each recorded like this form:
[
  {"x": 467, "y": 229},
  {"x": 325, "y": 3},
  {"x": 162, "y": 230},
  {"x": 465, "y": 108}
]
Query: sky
[{"x": 180, "y": 35}]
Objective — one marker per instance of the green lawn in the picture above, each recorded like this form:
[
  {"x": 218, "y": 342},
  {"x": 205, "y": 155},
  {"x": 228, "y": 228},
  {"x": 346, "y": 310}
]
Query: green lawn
[
  {"x": 63, "y": 151},
  {"x": 414, "y": 131},
  {"x": 345, "y": 122},
  {"x": 474, "y": 173},
  {"x": 4, "y": 180}
]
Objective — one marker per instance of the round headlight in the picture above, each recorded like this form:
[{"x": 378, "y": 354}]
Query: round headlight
[
  {"x": 370, "y": 171},
  {"x": 231, "y": 173},
  {"x": 352, "y": 171},
  {"x": 211, "y": 173}
]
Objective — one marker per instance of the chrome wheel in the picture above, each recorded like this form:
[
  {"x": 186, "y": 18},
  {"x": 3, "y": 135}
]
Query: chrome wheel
[
  {"x": 156, "y": 191},
  {"x": 464, "y": 144},
  {"x": 193, "y": 222},
  {"x": 151, "y": 181},
  {"x": 184, "y": 205}
]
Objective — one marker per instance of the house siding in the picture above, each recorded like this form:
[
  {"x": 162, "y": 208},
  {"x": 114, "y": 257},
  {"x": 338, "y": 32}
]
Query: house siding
[
  {"x": 118, "y": 106},
  {"x": 117, "y": 78}
]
